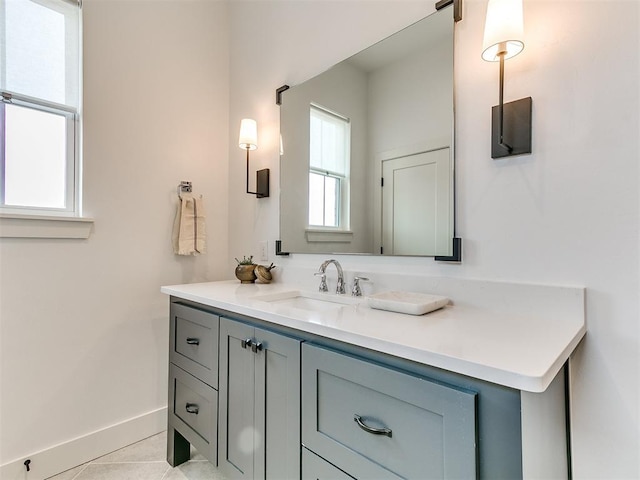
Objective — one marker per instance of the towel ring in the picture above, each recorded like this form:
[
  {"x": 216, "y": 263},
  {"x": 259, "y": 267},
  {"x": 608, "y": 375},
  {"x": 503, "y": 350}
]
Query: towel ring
[{"x": 184, "y": 187}]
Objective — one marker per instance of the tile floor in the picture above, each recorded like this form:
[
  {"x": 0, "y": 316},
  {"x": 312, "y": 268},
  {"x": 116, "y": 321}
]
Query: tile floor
[{"x": 145, "y": 460}]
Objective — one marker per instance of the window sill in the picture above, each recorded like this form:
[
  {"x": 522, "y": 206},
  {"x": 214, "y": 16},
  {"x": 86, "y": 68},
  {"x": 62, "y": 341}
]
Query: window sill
[
  {"x": 335, "y": 236},
  {"x": 32, "y": 226}
]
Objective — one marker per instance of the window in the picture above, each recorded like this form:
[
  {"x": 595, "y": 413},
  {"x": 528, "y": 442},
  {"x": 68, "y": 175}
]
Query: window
[
  {"x": 39, "y": 121},
  {"x": 329, "y": 162}
]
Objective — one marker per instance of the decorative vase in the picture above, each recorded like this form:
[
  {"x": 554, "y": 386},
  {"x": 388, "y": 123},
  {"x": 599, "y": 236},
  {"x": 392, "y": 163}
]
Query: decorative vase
[
  {"x": 263, "y": 273},
  {"x": 245, "y": 273}
]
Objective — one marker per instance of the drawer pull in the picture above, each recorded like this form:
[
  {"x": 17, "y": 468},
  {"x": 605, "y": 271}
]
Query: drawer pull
[
  {"x": 375, "y": 431},
  {"x": 192, "y": 408},
  {"x": 193, "y": 341},
  {"x": 246, "y": 343},
  {"x": 256, "y": 347}
]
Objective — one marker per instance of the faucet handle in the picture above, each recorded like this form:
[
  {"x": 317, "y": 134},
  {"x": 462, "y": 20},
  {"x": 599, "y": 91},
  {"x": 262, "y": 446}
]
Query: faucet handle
[
  {"x": 323, "y": 281},
  {"x": 356, "y": 291}
]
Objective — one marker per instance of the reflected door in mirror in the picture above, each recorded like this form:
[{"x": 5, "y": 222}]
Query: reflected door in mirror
[{"x": 415, "y": 204}]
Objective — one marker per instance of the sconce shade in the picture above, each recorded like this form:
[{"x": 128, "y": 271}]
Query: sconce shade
[
  {"x": 248, "y": 134},
  {"x": 503, "y": 30}
]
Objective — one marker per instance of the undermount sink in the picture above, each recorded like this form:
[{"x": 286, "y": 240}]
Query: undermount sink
[{"x": 310, "y": 301}]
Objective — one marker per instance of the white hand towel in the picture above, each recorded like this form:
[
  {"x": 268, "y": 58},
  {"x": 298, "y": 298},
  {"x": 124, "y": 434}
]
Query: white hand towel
[{"x": 189, "y": 236}]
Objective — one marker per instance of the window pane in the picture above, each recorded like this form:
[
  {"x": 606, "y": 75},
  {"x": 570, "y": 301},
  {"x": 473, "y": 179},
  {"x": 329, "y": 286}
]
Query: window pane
[
  {"x": 330, "y": 148},
  {"x": 329, "y": 141},
  {"x": 316, "y": 199},
  {"x": 40, "y": 43},
  {"x": 35, "y": 158},
  {"x": 324, "y": 200},
  {"x": 315, "y": 142},
  {"x": 331, "y": 189}
]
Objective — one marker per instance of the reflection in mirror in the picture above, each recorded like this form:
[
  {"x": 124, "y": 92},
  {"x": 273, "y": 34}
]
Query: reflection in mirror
[{"x": 367, "y": 149}]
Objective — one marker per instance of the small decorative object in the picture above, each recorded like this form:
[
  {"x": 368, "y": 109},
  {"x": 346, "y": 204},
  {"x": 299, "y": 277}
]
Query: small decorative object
[
  {"x": 263, "y": 274},
  {"x": 245, "y": 271},
  {"x": 413, "y": 303}
]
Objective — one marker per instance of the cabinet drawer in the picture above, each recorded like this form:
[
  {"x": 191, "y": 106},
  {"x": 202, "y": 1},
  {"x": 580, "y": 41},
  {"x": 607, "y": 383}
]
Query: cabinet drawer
[
  {"x": 193, "y": 411},
  {"x": 376, "y": 422},
  {"x": 316, "y": 468},
  {"x": 194, "y": 342}
]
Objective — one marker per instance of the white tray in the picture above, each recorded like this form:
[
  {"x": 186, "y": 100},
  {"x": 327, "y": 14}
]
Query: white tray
[{"x": 407, "y": 302}]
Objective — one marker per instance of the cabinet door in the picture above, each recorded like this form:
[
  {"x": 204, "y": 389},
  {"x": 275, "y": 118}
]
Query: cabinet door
[
  {"x": 237, "y": 394},
  {"x": 277, "y": 416},
  {"x": 316, "y": 468}
]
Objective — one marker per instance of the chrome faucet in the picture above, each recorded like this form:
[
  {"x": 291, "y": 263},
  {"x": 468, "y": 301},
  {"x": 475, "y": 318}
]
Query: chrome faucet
[
  {"x": 356, "y": 291},
  {"x": 322, "y": 273}
]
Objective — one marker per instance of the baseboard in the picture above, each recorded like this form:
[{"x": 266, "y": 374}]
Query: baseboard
[{"x": 64, "y": 456}]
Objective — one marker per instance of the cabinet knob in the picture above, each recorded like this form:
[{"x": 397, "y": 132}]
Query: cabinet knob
[
  {"x": 193, "y": 341},
  {"x": 256, "y": 347},
  {"x": 192, "y": 408},
  {"x": 374, "y": 431},
  {"x": 246, "y": 343}
]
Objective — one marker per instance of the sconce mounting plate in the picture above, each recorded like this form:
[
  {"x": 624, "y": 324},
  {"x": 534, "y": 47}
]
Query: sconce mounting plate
[
  {"x": 517, "y": 128},
  {"x": 262, "y": 183}
]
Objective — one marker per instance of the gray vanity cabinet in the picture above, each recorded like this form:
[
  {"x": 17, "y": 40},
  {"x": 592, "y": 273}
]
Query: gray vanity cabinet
[
  {"x": 259, "y": 415},
  {"x": 193, "y": 383},
  {"x": 262, "y": 401},
  {"x": 371, "y": 421}
]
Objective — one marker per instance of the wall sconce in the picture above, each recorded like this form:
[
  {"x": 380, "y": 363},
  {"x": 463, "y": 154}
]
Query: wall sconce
[
  {"x": 503, "y": 39},
  {"x": 249, "y": 141}
]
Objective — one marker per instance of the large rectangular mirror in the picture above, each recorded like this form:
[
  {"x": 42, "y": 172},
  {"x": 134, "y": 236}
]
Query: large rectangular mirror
[{"x": 367, "y": 149}]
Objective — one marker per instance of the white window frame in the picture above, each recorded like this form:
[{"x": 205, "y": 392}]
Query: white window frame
[
  {"x": 72, "y": 177},
  {"x": 342, "y": 200},
  {"x": 43, "y": 222}
]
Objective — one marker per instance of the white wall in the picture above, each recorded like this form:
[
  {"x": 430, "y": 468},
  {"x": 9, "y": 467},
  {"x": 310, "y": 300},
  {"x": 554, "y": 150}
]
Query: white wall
[
  {"x": 567, "y": 214},
  {"x": 83, "y": 325}
]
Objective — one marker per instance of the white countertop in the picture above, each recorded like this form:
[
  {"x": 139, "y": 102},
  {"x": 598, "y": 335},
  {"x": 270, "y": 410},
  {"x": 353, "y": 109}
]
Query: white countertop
[{"x": 519, "y": 350}]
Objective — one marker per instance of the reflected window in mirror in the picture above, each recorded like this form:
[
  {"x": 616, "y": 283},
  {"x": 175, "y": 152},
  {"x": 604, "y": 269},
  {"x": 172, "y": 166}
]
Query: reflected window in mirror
[{"x": 329, "y": 165}]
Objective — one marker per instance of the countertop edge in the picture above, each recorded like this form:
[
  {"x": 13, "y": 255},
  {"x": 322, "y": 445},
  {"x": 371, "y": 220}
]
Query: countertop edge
[{"x": 525, "y": 381}]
